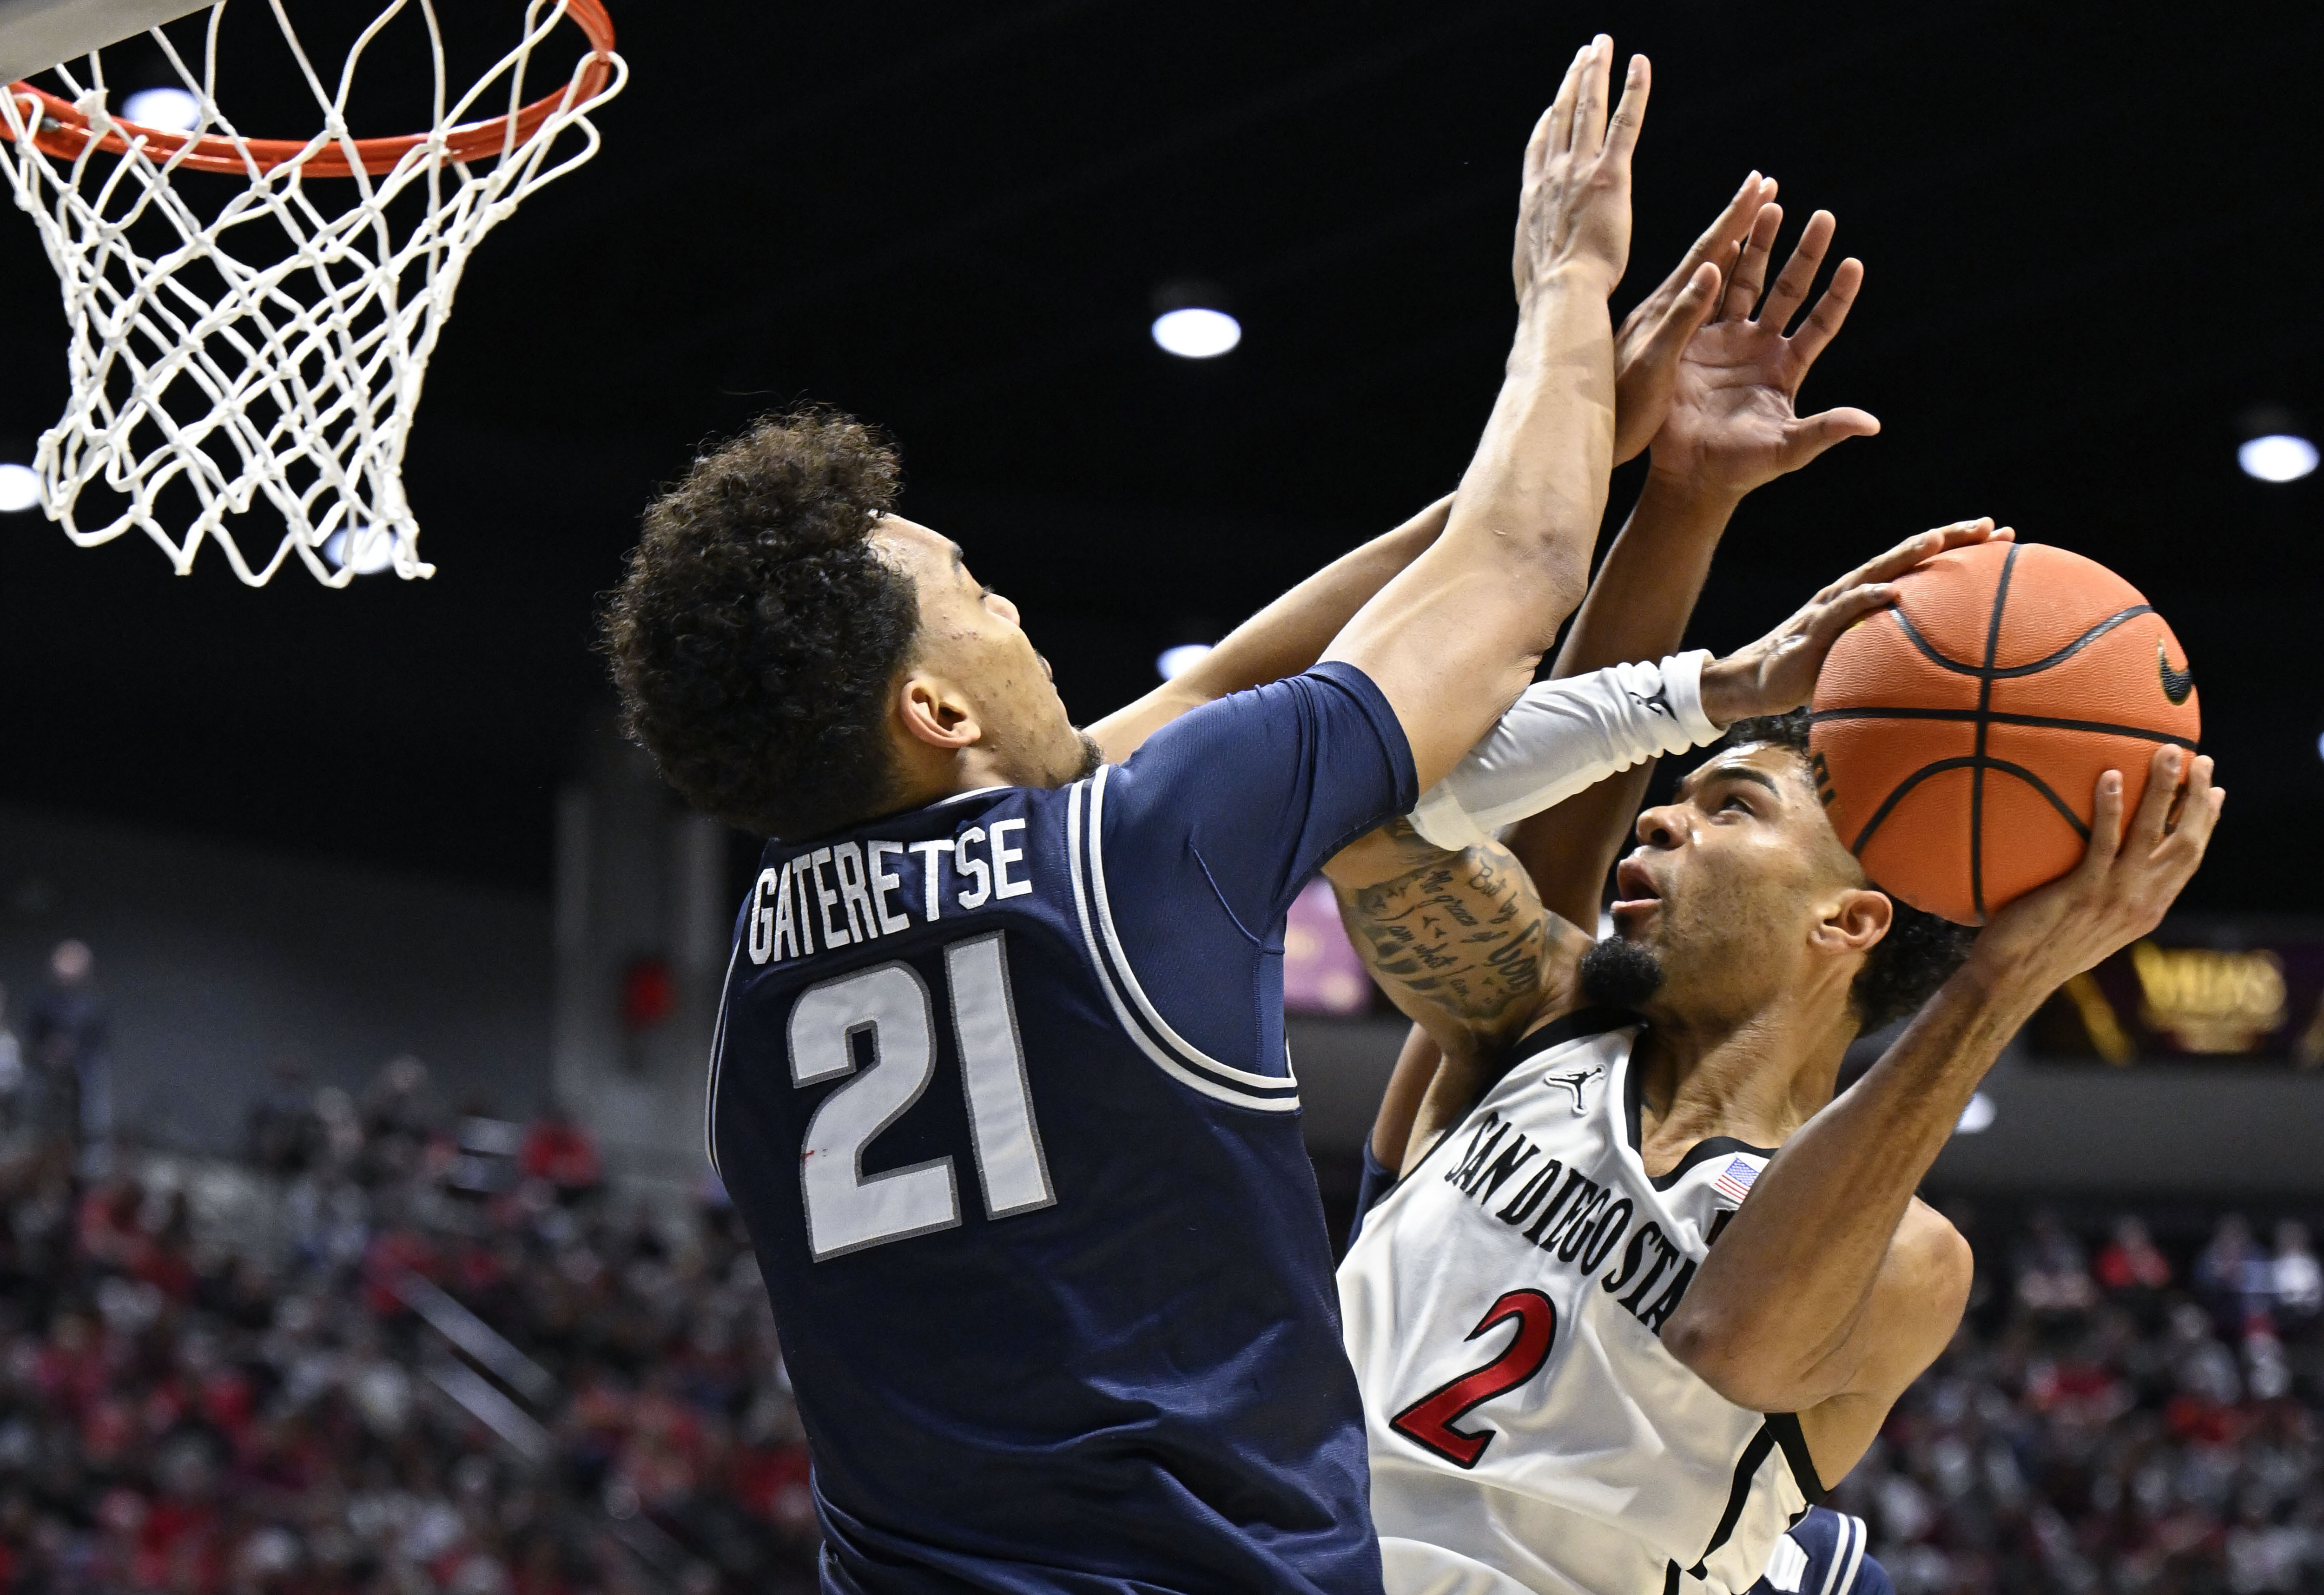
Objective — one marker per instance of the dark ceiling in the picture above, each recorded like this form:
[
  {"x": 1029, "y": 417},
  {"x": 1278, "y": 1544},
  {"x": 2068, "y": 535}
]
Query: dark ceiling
[{"x": 2092, "y": 241}]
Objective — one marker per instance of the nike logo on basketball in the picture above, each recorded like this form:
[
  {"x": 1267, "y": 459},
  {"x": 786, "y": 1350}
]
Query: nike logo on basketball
[{"x": 2176, "y": 684}]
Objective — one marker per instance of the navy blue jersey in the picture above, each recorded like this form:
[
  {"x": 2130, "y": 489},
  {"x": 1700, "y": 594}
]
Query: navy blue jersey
[
  {"x": 1000, "y": 1091},
  {"x": 1823, "y": 1554},
  {"x": 1372, "y": 1185}
]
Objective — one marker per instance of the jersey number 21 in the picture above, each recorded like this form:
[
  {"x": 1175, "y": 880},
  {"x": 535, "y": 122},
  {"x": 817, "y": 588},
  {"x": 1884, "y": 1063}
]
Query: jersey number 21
[{"x": 891, "y": 1006}]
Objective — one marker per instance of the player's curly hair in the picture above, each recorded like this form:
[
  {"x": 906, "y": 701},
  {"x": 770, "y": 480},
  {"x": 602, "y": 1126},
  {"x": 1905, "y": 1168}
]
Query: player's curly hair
[
  {"x": 757, "y": 632},
  {"x": 1920, "y": 952}
]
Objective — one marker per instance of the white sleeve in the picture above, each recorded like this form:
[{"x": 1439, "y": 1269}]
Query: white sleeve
[{"x": 1563, "y": 737}]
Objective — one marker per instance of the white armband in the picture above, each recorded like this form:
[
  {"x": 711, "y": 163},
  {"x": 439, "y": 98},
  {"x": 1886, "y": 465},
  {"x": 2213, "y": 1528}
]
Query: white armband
[{"x": 1563, "y": 737}]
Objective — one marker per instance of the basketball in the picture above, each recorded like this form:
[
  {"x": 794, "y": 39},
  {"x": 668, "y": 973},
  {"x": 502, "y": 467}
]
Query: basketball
[{"x": 1958, "y": 736}]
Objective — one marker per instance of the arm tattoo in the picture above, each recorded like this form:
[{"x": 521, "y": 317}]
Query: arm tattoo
[{"x": 1461, "y": 934}]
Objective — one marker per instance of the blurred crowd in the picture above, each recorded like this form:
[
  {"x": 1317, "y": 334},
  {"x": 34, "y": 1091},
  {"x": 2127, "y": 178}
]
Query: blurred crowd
[
  {"x": 250, "y": 1400},
  {"x": 401, "y": 1349},
  {"x": 2114, "y": 1417}
]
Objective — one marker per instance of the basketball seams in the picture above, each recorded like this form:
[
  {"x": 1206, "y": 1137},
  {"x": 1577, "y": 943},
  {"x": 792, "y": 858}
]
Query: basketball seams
[
  {"x": 1897, "y": 793},
  {"x": 1999, "y": 717},
  {"x": 1968, "y": 761},
  {"x": 2121, "y": 617},
  {"x": 1984, "y": 721},
  {"x": 2065, "y": 809},
  {"x": 1937, "y": 656}
]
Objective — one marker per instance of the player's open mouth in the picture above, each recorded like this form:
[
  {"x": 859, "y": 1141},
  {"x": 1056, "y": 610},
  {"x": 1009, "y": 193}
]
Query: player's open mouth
[{"x": 1635, "y": 889}]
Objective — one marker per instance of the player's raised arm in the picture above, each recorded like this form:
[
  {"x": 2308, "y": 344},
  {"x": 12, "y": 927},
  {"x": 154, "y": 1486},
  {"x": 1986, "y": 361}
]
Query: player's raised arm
[
  {"x": 1291, "y": 633},
  {"x": 1451, "y": 641},
  {"x": 1820, "y": 1293},
  {"x": 1731, "y": 426}
]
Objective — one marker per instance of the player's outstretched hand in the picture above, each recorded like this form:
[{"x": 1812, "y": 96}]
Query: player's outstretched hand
[
  {"x": 1574, "y": 210},
  {"x": 2126, "y": 881},
  {"x": 1732, "y": 424},
  {"x": 1779, "y": 672},
  {"x": 1653, "y": 335}
]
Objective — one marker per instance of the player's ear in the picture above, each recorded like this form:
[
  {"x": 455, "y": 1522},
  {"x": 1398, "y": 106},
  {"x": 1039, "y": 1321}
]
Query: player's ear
[
  {"x": 1853, "y": 920},
  {"x": 936, "y": 712}
]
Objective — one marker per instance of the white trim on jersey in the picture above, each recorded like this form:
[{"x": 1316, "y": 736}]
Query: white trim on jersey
[
  {"x": 717, "y": 1051},
  {"x": 963, "y": 796},
  {"x": 1849, "y": 1550},
  {"x": 1785, "y": 1565},
  {"x": 1170, "y": 1052}
]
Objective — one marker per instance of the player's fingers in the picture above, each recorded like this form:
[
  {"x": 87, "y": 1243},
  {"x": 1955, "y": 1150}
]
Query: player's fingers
[
  {"x": 2164, "y": 773},
  {"x": 1684, "y": 317},
  {"x": 1622, "y": 132},
  {"x": 1830, "y": 315},
  {"x": 1750, "y": 274},
  {"x": 1560, "y": 109},
  {"x": 2189, "y": 817},
  {"x": 1810, "y": 436},
  {"x": 1722, "y": 240},
  {"x": 1728, "y": 260},
  {"x": 2195, "y": 816},
  {"x": 1845, "y": 610},
  {"x": 1590, "y": 109},
  {"x": 1537, "y": 154},
  {"x": 1725, "y": 234},
  {"x": 1915, "y": 549},
  {"x": 1799, "y": 272},
  {"x": 2106, "y": 826}
]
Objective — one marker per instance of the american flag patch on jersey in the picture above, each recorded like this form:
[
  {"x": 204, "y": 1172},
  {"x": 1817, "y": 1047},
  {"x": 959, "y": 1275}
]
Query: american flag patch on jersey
[{"x": 1735, "y": 1180}]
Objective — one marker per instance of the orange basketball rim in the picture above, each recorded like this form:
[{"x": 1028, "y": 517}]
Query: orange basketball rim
[{"x": 65, "y": 133}]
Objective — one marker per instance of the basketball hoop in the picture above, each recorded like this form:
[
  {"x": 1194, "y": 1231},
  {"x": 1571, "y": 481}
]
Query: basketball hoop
[{"x": 214, "y": 352}]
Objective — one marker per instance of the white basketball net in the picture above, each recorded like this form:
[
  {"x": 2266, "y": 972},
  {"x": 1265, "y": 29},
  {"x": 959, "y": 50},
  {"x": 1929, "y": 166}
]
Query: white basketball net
[{"x": 293, "y": 381}]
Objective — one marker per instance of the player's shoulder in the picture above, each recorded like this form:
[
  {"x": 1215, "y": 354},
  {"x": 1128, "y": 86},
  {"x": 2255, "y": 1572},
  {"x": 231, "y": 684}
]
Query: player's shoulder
[
  {"x": 1280, "y": 714},
  {"x": 1935, "y": 1251}
]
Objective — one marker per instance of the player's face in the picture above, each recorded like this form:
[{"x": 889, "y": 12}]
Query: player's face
[
  {"x": 970, "y": 636},
  {"x": 1729, "y": 881}
]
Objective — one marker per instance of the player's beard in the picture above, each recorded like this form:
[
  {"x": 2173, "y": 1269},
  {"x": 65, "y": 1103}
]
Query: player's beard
[{"x": 1618, "y": 973}]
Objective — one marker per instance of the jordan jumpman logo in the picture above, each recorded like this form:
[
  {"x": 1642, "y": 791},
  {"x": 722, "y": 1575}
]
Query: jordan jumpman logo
[{"x": 1575, "y": 1082}]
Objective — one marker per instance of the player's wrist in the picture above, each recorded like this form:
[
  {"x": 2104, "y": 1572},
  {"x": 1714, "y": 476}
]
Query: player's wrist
[
  {"x": 2007, "y": 974},
  {"x": 1730, "y": 690},
  {"x": 1567, "y": 282},
  {"x": 1679, "y": 496},
  {"x": 1685, "y": 474}
]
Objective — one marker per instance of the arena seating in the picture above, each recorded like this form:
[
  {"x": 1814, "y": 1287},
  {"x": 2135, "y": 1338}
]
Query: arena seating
[{"x": 421, "y": 1351}]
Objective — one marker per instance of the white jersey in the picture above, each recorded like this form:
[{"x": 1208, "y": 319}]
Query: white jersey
[{"x": 1502, "y": 1307}]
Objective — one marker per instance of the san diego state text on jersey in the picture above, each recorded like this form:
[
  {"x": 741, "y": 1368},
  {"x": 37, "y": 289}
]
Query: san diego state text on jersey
[{"x": 1000, "y": 1091}]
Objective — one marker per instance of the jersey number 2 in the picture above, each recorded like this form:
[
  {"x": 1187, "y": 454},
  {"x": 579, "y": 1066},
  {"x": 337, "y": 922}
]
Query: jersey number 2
[
  {"x": 890, "y": 1006},
  {"x": 1429, "y": 1421}
]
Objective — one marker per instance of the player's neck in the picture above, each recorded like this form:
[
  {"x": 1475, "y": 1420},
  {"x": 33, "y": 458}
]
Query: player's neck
[
  {"x": 932, "y": 775},
  {"x": 1756, "y": 1076}
]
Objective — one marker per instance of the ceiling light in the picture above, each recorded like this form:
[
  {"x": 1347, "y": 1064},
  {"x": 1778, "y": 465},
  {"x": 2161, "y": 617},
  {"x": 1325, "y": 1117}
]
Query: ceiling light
[
  {"x": 20, "y": 488},
  {"x": 1198, "y": 334},
  {"x": 170, "y": 108},
  {"x": 1977, "y": 1117},
  {"x": 2279, "y": 457},
  {"x": 374, "y": 550},
  {"x": 1174, "y": 662}
]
